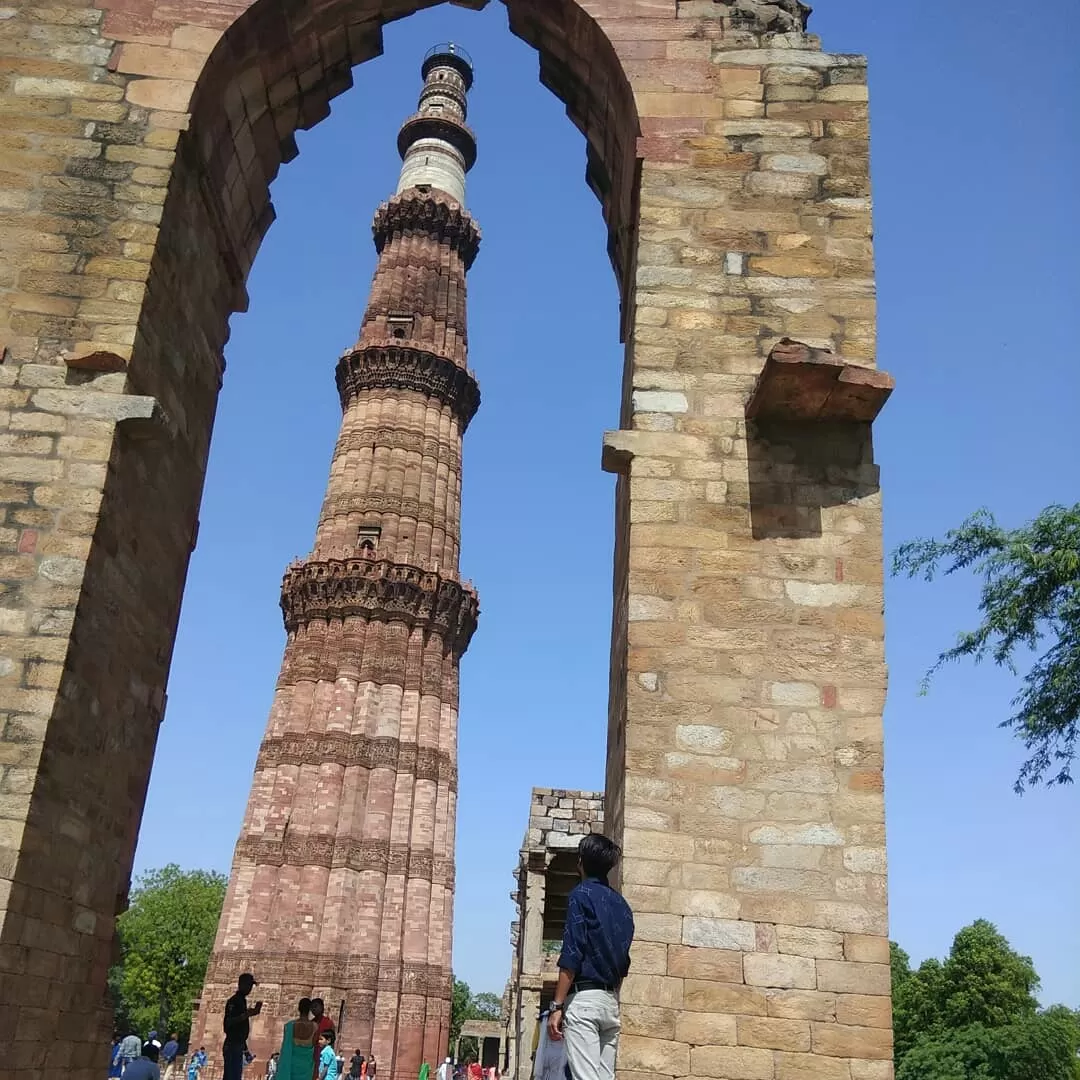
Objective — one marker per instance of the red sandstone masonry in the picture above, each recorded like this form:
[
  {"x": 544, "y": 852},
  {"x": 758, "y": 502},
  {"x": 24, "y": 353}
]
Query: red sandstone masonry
[{"x": 745, "y": 763}]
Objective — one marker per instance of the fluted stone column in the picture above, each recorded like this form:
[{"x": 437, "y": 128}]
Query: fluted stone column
[{"x": 343, "y": 878}]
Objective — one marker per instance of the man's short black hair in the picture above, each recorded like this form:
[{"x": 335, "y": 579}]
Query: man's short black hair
[
  {"x": 598, "y": 855},
  {"x": 328, "y": 1035},
  {"x": 318, "y": 1001}
]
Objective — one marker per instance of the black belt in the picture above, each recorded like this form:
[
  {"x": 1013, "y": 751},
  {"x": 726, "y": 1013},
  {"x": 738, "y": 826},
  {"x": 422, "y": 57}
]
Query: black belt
[{"x": 591, "y": 984}]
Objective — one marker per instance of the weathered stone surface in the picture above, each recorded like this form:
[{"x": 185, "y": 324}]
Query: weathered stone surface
[{"x": 794, "y": 972}]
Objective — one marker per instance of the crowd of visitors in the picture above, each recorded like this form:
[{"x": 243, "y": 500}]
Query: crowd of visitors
[
  {"x": 135, "y": 1058},
  {"x": 576, "y": 1041}
]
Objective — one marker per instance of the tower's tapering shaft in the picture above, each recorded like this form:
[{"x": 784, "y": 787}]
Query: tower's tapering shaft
[{"x": 343, "y": 876}]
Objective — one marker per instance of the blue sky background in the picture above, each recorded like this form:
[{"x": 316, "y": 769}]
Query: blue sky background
[{"x": 976, "y": 154}]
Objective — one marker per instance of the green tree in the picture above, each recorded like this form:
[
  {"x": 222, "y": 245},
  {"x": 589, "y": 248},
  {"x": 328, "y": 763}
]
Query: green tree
[
  {"x": 983, "y": 981},
  {"x": 166, "y": 936},
  {"x": 465, "y": 1005},
  {"x": 1030, "y": 595},
  {"x": 459, "y": 1009},
  {"x": 485, "y": 1007},
  {"x": 1037, "y": 1048},
  {"x": 975, "y": 1015}
]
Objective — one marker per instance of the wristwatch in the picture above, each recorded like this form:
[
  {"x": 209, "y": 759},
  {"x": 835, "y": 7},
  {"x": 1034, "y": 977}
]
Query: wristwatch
[{"x": 556, "y": 1007}]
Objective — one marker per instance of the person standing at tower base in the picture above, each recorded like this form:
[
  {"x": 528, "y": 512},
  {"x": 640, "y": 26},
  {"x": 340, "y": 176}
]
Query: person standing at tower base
[
  {"x": 595, "y": 959},
  {"x": 237, "y": 1026}
]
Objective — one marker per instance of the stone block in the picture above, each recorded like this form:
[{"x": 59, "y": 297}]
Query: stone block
[
  {"x": 777, "y": 1034},
  {"x": 654, "y": 1055},
  {"x": 707, "y": 996},
  {"x": 801, "y": 1004},
  {"x": 719, "y": 933},
  {"x": 716, "y": 965},
  {"x": 657, "y": 990},
  {"x": 863, "y": 1010},
  {"x": 866, "y": 949},
  {"x": 845, "y": 977},
  {"x": 810, "y": 1067},
  {"x": 806, "y": 941},
  {"x": 871, "y": 1070},
  {"x": 706, "y": 1029},
  {"x": 839, "y": 1040},
  {"x": 784, "y": 972},
  {"x": 732, "y": 1062},
  {"x": 648, "y": 958}
]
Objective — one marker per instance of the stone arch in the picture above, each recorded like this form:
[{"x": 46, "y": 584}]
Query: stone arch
[
  {"x": 745, "y": 745},
  {"x": 277, "y": 67}
]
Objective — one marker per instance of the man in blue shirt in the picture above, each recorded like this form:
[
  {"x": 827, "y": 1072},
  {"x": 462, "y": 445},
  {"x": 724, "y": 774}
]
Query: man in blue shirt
[
  {"x": 169, "y": 1054},
  {"x": 594, "y": 961},
  {"x": 146, "y": 1066}
]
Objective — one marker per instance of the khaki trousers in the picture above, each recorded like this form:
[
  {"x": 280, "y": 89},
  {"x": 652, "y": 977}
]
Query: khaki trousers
[{"x": 591, "y": 1031}]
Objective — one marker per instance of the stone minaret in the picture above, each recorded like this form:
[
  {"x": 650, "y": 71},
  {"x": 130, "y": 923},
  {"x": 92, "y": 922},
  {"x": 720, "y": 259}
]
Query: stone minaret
[{"x": 343, "y": 877}]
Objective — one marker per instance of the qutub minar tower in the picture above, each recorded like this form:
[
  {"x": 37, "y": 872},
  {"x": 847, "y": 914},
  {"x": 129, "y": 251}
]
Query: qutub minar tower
[{"x": 342, "y": 881}]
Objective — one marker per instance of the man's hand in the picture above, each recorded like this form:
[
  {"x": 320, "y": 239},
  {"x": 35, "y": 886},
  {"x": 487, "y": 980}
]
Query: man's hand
[
  {"x": 255, "y": 1011},
  {"x": 555, "y": 1022}
]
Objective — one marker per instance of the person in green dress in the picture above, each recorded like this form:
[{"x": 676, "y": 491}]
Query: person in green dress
[
  {"x": 297, "y": 1058},
  {"x": 425, "y": 1071}
]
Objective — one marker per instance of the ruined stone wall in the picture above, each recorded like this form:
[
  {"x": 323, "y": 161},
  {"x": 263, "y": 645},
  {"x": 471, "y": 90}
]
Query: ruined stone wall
[
  {"x": 558, "y": 820},
  {"x": 749, "y": 797}
]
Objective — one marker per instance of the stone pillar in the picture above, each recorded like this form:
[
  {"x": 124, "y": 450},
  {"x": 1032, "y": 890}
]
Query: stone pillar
[{"x": 745, "y": 776}]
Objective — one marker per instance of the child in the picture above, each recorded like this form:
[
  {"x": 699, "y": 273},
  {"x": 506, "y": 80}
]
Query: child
[{"x": 328, "y": 1067}]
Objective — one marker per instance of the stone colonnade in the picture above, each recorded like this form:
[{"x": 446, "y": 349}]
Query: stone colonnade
[{"x": 730, "y": 156}]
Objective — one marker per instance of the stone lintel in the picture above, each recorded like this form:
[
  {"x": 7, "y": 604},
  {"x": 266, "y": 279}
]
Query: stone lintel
[{"x": 800, "y": 382}]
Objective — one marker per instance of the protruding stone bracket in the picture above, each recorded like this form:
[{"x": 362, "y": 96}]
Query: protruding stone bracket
[
  {"x": 144, "y": 419},
  {"x": 136, "y": 415},
  {"x": 98, "y": 362},
  {"x": 800, "y": 382},
  {"x": 621, "y": 447},
  {"x": 618, "y": 452}
]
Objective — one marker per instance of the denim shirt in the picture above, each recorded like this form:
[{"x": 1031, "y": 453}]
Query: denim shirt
[{"x": 599, "y": 930}]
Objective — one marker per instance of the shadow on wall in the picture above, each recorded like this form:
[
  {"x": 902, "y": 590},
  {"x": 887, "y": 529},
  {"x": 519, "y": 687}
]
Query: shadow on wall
[{"x": 798, "y": 467}]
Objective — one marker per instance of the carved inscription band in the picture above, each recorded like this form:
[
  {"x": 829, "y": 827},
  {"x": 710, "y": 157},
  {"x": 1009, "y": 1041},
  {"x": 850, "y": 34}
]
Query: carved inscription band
[
  {"x": 399, "y": 505},
  {"x": 307, "y": 969},
  {"x": 380, "y": 589},
  {"x": 398, "y": 439},
  {"x": 341, "y": 748},
  {"x": 399, "y": 367},
  {"x": 343, "y": 853},
  {"x": 435, "y": 214}
]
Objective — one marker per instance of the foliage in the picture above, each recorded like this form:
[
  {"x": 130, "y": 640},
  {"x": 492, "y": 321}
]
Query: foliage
[
  {"x": 983, "y": 981},
  {"x": 459, "y": 1008},
  {"x": 975, "y": 1015},
  {"x": 1030, "y": 592},
  {"x": 470, "y": 1050},
  {"x": 465, "y": 1005},
  {"x": 1040, "y": 1048},
  {"x": 485, "y": 1007},
  {"x": 166, "y": 936}
]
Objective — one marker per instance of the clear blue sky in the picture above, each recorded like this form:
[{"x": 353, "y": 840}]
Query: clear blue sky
[{"x": 976, "y": 157}]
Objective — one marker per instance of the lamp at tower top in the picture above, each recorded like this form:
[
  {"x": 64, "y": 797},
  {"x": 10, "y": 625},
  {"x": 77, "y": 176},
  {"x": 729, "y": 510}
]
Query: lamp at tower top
[{"x": 449, "y": 54}]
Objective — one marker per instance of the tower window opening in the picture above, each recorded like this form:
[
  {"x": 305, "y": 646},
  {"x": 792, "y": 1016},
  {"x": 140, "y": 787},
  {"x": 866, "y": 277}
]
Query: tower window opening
[
  {"x": 400, "y": 326},
  {"x": 367, "y": 537}
]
